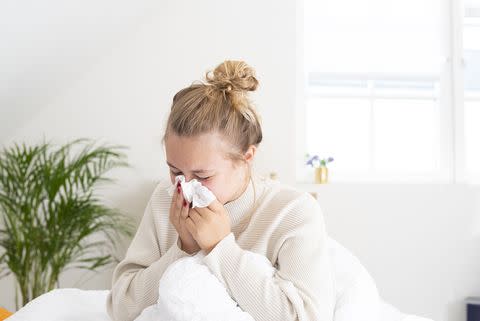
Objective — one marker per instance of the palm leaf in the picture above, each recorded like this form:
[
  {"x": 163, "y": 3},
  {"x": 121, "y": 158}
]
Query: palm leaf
[{"x": 51, "y": 219}]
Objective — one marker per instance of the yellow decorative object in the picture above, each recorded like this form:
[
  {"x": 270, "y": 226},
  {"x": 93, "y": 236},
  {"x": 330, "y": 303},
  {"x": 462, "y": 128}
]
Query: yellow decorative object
[
  {"x": 320, "y": 166},
  {"x": 273, "y": 175},
  {"x": 4, "y": 314},
  {"x": 321, "y": 175}
]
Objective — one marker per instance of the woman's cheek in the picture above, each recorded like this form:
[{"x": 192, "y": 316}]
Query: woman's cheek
[
  {"x": 210, "y": 186},
  {"x": 213, "y": 188}
]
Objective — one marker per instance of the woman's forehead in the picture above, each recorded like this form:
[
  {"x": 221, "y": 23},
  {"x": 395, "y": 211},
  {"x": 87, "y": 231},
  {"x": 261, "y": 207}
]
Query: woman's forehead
[{"x": 204, "y": 152}]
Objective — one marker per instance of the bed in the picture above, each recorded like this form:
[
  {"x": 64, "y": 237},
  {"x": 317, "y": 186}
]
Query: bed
[
  {"x": 71, "y": 304},
  {"x": 356, "y": 293}
]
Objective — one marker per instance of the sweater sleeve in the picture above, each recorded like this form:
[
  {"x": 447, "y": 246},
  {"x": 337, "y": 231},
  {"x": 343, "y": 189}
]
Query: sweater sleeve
[
  {"x": 136, "y": 278},
  {"x": 301, "y": 287}
]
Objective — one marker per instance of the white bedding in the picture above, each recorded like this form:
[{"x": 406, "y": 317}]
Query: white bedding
[
  {"x": 357, "y": 298},
  {"x": 80, "y": 305},
  {"x": 188, "y": 291}
]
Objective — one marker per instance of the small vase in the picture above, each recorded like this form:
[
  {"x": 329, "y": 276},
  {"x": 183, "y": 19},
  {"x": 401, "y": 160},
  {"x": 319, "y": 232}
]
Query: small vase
[{"x": 321, "y": 175}]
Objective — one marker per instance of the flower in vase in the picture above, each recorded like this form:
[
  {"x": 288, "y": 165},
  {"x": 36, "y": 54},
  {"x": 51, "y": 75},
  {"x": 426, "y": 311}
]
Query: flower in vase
[{"x": 315, "y": 161}]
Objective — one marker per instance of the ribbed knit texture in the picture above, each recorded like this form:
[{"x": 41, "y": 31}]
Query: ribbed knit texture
[{"x": 269, "y": 218}]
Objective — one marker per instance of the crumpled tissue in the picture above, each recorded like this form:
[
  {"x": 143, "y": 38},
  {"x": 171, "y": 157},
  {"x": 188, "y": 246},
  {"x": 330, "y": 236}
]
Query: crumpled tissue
[{"x": 194, "y": 192}]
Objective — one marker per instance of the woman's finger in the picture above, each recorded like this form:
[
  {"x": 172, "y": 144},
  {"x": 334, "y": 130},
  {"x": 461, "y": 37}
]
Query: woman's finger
[
  {"x": 179, "y": 201},
  {"x": 185, "y": 210},
  {"x": 190, "y": 225},
  {"x": 215, "y": 206},
  {"x": 195, "y": 216},
  {"x": 175, "y": 209},
  {"x": 203, "y": 211}
]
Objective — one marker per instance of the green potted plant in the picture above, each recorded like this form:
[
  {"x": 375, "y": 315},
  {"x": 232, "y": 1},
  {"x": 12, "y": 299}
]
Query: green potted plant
[
  {"x": 50, "y": 217},
  {"x": 320, "y": 166}
]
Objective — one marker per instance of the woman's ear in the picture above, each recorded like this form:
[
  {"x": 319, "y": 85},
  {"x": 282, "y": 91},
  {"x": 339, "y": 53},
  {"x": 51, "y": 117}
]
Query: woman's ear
[{"x": 250, "y": 154}]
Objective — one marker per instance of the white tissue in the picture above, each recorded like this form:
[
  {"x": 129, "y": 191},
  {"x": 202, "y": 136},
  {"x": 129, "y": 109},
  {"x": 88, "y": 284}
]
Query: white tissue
[{"x": 194, "y": 192}]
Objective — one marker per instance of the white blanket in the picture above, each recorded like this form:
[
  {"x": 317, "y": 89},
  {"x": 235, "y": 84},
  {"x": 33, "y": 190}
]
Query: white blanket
[
  {"x": 73, "y": 304},
  {"x": 189, "y": 291},
  {"x": 357, "y": 296}
]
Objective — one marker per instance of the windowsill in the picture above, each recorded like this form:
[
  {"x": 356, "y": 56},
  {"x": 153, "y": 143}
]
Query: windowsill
[
  {"x": 435, "y": 178},
  {"x": 368, "y": 186},
  {"x": 311, "y": 185},
  {"x": 373, "y": 182}
]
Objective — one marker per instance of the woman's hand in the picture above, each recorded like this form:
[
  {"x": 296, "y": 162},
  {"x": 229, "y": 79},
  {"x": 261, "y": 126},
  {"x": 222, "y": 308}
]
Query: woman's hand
[
  {"x": 179, "y": 210},
  {"x": 208, "y": 225}
]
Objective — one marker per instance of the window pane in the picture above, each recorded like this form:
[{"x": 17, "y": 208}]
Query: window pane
[
  {"x": 471, "y": 55},
  {"x": 375, "y": 35},
  {"x": 472, "y": 136},
  {"x": 472, "y": 70},
  {"x": 404, "y": 134},
  {"x": 374, "y": 68},
  {"x": 339, "y": 128}
]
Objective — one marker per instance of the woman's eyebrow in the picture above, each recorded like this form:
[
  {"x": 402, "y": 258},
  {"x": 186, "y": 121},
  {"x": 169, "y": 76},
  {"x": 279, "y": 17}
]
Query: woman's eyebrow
[
  {"x": 195, "y": 171},
  {"x": 171, "y": 165}
]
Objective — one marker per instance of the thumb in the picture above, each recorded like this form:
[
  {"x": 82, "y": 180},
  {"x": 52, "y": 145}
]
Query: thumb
[{"x": 216, "y": 206}]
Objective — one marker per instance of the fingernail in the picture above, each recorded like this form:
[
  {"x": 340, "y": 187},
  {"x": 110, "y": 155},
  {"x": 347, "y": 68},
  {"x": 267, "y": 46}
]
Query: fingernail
[
  {"x": 184, "y": 203},
  {"x": 178, "y": 183}
]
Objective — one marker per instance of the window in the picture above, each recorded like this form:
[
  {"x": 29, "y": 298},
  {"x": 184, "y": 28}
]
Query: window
[
  {"x": 375, "y": 127},
  {"x": 379, "y": 90},
  {"x": 471, "y": 81}
]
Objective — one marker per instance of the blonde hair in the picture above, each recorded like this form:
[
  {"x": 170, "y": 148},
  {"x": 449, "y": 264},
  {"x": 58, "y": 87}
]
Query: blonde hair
[{"x": 220, "y": 105}]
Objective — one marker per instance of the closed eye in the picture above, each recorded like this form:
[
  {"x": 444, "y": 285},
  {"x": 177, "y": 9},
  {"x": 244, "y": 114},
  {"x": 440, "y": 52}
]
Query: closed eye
[{"x": 198, "y": 177}]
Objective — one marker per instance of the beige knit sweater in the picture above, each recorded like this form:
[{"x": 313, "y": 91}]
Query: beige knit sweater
[{"x": 269, "y": 218}]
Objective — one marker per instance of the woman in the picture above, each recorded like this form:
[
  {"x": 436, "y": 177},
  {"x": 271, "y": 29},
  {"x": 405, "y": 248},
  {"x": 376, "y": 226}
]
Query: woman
[{"x": 212, "y": 135}]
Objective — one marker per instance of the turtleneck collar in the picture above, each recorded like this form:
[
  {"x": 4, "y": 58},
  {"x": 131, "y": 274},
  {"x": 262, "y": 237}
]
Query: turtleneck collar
[{"x": 243, "y": 204}]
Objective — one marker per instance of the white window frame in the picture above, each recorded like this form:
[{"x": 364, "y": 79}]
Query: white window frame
[
  {"x": 458, "y": 65},
  {"x": 451, "y": 109}
]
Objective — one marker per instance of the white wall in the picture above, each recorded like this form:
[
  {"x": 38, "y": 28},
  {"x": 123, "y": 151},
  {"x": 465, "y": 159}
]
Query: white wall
[
  {"x": 420, "y": 242},
  {"x": 125, "y": 96}
]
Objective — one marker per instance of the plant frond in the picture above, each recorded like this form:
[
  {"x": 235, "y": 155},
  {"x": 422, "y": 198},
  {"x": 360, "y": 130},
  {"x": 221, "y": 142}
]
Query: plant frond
[{"x": 50, "y": 218}]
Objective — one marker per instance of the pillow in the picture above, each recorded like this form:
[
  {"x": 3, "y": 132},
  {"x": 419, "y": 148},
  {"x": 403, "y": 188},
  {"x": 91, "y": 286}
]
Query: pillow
[
  {"x": 357, "y": 296},
  {"x": 68, "y": 304}
]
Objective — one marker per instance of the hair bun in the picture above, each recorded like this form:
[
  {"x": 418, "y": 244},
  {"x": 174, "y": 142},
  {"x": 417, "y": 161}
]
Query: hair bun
[{"x": 232, "y": 75}]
